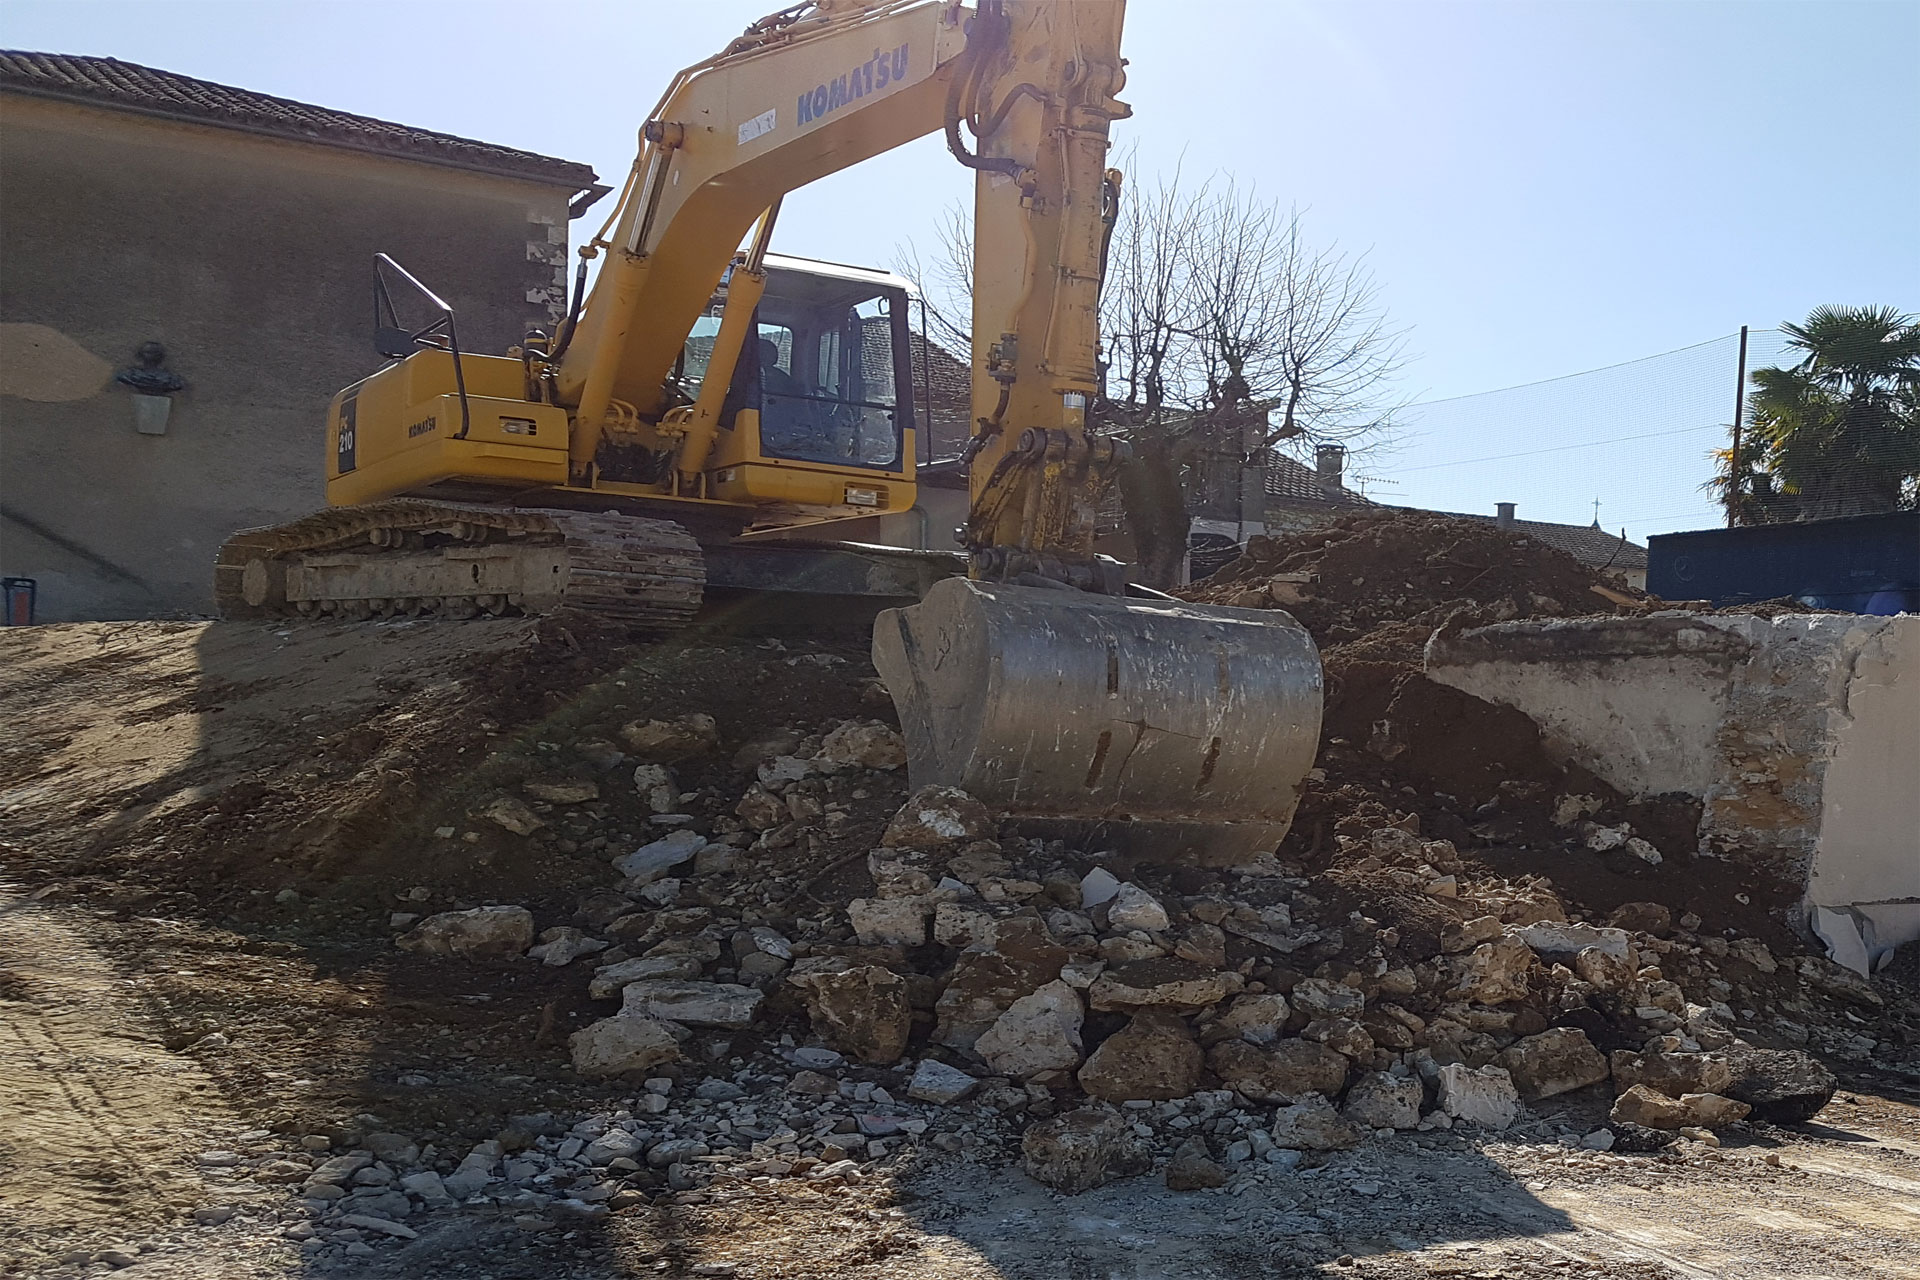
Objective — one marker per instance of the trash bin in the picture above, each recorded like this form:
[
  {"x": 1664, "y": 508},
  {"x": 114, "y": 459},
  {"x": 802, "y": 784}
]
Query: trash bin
[{"x": 19, "y": 601}]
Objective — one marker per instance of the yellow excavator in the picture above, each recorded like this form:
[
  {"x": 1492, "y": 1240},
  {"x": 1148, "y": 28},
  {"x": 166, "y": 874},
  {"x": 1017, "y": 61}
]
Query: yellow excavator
[{"x": 700, "y": 396}]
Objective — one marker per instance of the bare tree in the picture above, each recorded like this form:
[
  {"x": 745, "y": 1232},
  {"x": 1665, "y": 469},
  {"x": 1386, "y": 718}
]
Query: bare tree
[
  {"x": 946, "y": 282},
  {"x": 1223, "y": 331},
  {"x": 1146, "y": 312}
]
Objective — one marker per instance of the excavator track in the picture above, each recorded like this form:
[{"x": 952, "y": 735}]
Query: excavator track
[{"x": 462, "y": 560}]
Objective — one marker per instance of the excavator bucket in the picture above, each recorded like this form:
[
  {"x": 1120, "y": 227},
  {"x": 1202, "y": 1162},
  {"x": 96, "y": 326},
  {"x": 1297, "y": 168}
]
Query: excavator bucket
[{"x": 1177, "y": 732}]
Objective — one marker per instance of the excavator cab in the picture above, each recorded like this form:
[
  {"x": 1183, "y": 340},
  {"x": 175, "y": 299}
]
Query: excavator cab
[{"x": 824, "y": 378}]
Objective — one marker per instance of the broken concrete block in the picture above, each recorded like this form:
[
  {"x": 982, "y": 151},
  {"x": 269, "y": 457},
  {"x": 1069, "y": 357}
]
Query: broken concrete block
[
  {"x": 1162, "y": 983},
  {"x": 1288, "y": 1070},
  {"x": 1312, "y": 1124},
  {"x": 1558, "y": 1060},
  {"x": 1382, "y": 1101},
  {"x": 569, "y": 792},
  {"x": 1651, "y": 1110},
  {"x": 761, "y": 809},
  {"x": 1039, "y": 1032},
  {"x": 889, "y": 921},
  {"x": 1485, "y": 1097},
  {"x": 868, "y": 745},
  {"x": 985, "y": 983},
  {"x": 1671, "y": 1073},
  {"x": 1344, "y": 1036},
  {"x": 861, "y": 1011},
  {"x": 513, "y": 815},
  {"x": 955, "y": 925},
  {"x": 658, "y": 791},
  {"x": 1642, "y": 1106},
  {"x": 940, "y": 1084},
  {"x": 1492, "y": 973},
  {"x": 1783, "y": 1086},
  {"x": 1134, "y": 908},
  {"x": 624, "y": 1043},
  {"x": 1324, "y": 998},
  {"x": 694, "y": 1004},
  {"x": 666, "y": 741},
  {"x": 1468, "y": 934},
  {"x": 1080, "y": 1150},
  {"x": 1257, "y": 1019},
  {"x": 563, "y": 944},
  {"x": 608, "y": 980},
  {"x": 1193, "y": 1168},
  {"x": 653, "y": 860},
  {"x": 481, "y": 932},
  {"x": 1643, "y": 917},
  {"x": 1153, "y": 1057},
  {"x": 1605, "y": 971},
  {"x": 1553, "y": 937},
  {"x": 1712, "y": 1111},
  {"x": 938, "y": 818}
]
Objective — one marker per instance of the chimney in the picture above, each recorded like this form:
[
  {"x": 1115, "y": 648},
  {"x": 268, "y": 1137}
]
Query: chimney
[
  {"x": 1503, "y": 514},
  {"x": 1329, "y": 460}
]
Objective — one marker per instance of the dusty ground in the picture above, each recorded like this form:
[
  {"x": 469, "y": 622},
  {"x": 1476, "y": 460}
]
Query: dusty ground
[{"x": 163, "y": 995}]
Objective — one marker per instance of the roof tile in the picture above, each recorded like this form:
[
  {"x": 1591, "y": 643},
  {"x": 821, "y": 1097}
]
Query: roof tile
[{"x": 130, "y": 86}]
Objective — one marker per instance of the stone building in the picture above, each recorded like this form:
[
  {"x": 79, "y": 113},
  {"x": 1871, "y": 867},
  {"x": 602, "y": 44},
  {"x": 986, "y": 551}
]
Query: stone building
[{"x": 212, "y": 247}]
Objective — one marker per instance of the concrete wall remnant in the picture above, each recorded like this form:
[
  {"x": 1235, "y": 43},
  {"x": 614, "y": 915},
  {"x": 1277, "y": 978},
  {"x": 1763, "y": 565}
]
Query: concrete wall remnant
[{"x": 1799, "y": 734}]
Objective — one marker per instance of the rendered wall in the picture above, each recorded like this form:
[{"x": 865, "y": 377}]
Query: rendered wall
[
  {"x": 250, "y": 259},
  {"x": 1800, "y": 735}
]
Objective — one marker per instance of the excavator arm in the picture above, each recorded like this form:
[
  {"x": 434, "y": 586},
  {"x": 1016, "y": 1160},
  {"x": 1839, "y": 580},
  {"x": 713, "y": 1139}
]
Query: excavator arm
[{"x": 814, "y": 90}]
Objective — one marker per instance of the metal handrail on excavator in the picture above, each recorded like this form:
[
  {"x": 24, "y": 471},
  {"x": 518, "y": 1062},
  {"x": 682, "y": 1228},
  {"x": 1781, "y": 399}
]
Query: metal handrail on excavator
[{"x": 396, "y": 342}]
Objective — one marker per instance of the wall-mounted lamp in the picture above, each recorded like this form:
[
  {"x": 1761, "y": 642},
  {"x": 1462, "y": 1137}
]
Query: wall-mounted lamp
[{"x": 153, "y": 388}]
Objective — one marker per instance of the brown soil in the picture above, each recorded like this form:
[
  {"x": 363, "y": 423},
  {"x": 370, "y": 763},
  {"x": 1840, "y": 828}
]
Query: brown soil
[
  {"x": 245, "y": 760},
  {"x": 218, "y": 857},
  {"x": 1366, "y": 571}
]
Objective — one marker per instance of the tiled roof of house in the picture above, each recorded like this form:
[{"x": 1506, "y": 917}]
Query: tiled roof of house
[
  {"x": 1587, "y": 543},
  {"x": 1297, "y": 482},
  {"x": 128, "y": 86},
  {"x": 949, "y": 394},
  {"x": 942, "y": 390}
]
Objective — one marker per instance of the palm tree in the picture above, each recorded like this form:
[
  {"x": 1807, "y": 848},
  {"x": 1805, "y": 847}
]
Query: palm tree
[{"x": 1838, "y": 433}]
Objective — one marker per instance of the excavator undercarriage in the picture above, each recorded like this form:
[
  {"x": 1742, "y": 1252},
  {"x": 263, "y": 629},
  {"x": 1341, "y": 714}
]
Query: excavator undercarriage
[{"x": 461, "y": 560}]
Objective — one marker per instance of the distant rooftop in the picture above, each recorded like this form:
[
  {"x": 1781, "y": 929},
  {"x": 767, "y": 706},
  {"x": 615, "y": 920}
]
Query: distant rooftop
[
  {"x": 1587, "y": 543},
  {"x": 1286, "y": 478},
  {"x": 128, "y": 86}
]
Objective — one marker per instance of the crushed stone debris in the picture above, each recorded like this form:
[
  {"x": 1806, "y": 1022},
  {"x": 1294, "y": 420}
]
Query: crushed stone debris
[{"x": 817, "y": 978}]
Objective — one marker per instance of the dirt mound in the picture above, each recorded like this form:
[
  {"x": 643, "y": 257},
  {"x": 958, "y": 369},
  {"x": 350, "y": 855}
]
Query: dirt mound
[
  {"x": 1360, "y": 573},
  {"x": 239, "y": 762}
]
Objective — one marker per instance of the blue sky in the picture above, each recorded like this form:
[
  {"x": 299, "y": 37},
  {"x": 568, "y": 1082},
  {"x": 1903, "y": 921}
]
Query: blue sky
[{"x": 1542, "y": 187}]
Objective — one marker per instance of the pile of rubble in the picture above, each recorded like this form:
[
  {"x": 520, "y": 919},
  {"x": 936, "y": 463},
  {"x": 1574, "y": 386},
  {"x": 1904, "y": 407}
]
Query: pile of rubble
[
  {"x": 974, "y": 989},
  {"x": 793, "y": 970},
  {"x": 1358, "y": 573}
]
